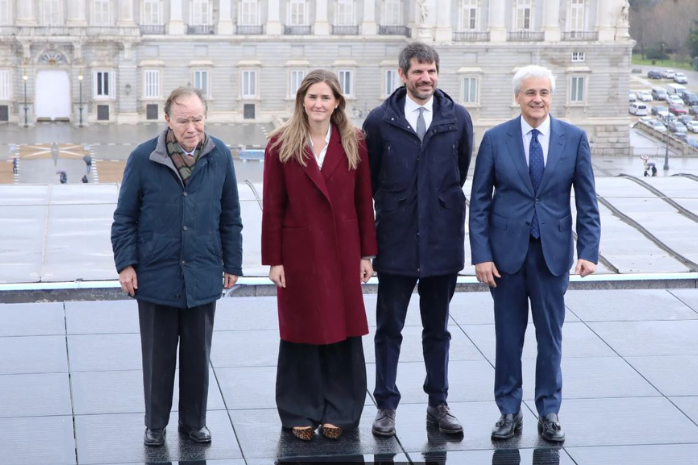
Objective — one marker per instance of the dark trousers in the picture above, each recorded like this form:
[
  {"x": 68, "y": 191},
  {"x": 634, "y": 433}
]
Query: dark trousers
[
  {"x": 317, "y": 384},
  {"x": 394, "y": 294},
  {"x": 162, "y": 327},
  {"x": 546, "y": 293}
]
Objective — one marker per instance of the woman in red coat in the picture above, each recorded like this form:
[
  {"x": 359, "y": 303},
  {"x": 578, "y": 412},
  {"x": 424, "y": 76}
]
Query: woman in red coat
[{"x": 318, "y": 236}]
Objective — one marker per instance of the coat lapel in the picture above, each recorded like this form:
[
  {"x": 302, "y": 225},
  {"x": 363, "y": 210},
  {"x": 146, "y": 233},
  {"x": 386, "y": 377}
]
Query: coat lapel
[
  {"x": 335, "y": 154},
  {"x": 555, "y": 150},
  {"x": 313, "y": 171},
  {"x": 516, "y": 151}
]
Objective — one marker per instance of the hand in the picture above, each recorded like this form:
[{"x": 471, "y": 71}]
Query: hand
[
  {"x": 366, "y": 270},
  {"x": 277, "y": 275},
  {"x": 584, "y": 268},
  {"x": 229, "y": 280},
  {"x": 128, "y": 280},
  {"x": 486, "y": 272}
]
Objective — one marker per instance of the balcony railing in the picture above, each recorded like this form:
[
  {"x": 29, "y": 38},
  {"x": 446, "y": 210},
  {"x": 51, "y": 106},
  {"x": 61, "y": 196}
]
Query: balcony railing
[
  {"x": 201, "y": 29},
  {"x": 8, "y": 30},
  {"x": 76, "y": 31},
  {"x": 580, "y": 36},
  {"x": 109, "y": 31},
  {"x": 525, "y": 36},
  {"x": 394, "y": 31},
  {"x": 155, "y": 29},
  {"x": 471, "y": 36},
  {"x": 345, "y": 30},
  {"x": 247, "y": 30},
  {"x": 298, "y": 30}
]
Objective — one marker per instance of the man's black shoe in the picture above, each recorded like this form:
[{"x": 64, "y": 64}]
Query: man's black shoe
[
  {"x": 507, "y": 426},
  {"x": 549, "y": 428},
  {"x": 154, "y": 437},
  {"x": 202, "y": 435},
  {"x": 441, "y": 416},
  {"x": 384, "y": 424}
]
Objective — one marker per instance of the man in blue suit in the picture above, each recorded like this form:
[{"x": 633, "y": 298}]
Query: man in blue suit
[{"x": 522, "y": 245}]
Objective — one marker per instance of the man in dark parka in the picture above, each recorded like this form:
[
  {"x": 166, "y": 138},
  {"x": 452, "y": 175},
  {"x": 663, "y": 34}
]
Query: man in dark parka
[
  {"x": 177, "y": 242},
  {"x": 419, "y": 143}
]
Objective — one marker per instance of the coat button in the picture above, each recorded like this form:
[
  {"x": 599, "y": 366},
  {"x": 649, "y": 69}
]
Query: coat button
[
  {"x": 183, "y": 262},
  {"x": 184, "y": 228},
  {"x": 185, "y": 194},
  {"x": 177, "y": 296},
  {"x": 419, "y": 269}
]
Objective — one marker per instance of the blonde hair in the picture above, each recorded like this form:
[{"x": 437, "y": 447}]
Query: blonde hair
[{"x": 292, "y": 137}]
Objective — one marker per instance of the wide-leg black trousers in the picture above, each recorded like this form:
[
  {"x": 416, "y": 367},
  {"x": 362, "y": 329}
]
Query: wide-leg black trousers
[
  {"x": 162, "y": 329},
  {"x": 317, "y": 384}
]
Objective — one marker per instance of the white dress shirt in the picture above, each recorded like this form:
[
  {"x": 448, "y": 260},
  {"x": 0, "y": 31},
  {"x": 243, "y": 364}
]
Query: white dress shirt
[
  {"x": 321, "y": 156},
  {"x": 543, "y": 137},
  {"x": 412, "y": 112}
]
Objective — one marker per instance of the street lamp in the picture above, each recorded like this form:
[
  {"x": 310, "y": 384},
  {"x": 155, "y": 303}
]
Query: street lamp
[
  {"x": 80, "y": 76},
  {"x": 26, "y": 108},
  {"x": 666, "y": 152}
]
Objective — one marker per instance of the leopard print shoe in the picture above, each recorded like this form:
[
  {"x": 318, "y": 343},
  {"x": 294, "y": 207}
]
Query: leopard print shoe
[
  {"x": 331, "y": 432},
  {"x": 303, "y": 433}
]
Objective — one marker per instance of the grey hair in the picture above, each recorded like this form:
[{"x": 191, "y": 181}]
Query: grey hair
[
  {"x": 185, "y": 91},
  {"x": 422, "y": 52},
  {"x": 533, "y": 71}
]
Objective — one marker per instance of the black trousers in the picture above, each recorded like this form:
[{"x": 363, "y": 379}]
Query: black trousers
[
  {"x": 162, "y": 328},
  {"x": 394, "y": 293},
  {"x": 318, "y": 384}
]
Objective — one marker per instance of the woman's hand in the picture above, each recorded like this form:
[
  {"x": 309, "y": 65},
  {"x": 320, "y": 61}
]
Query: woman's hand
[
  {"x": 366, "y": 270},
  {"x": 277, "y": 275}
]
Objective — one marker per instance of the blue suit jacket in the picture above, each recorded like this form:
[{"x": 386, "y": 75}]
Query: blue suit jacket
[{"x": 503, "y": 201}]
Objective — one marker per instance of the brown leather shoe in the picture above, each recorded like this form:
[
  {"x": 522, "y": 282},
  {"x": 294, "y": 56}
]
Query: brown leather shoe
[
  {"x": 303, "y": 433},
  {"x": 442, "y": 417},
  {"x": 331, "y": 432}
]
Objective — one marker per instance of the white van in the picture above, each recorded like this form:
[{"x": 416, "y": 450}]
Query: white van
[
  {"x": 675, "y": 89},
  {"x": 638, "y": 109}
]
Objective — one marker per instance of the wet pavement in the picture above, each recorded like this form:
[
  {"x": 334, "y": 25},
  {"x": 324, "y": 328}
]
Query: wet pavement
[{"x": 70, "y": 384}]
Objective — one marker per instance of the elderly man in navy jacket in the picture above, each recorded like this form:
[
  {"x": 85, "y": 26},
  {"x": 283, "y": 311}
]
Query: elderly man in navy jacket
[
  {"x": 177, "y": 242},
  {"x": 419, "y": 144},
  {"x": 522, "y": 243}
]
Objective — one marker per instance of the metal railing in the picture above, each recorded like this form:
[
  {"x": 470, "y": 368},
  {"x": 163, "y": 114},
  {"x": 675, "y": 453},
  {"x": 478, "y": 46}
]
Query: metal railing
[
  {"x": 345, "y": 30},
  {"x": 471, "y": 36},
  {"x": 201, "y": 29},
  {"x": 298, "y": 30},
  {"x": 525, "y": 36},
  {"x": 153, "y": 29},
  {"x": 580, "y": 36},
  {"x": 394, "y": 31},
  {"x": 75, "y": 31},
  {"x": 110, "y": 31},
  {"x": 249, "y": 30}
]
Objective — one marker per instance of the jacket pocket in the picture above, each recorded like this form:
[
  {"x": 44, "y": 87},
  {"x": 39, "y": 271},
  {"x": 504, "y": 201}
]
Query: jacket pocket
[
  {"x": 453, "y": 198},
  {"x": 498, "y": 222},
  {"x": 565, "y": 224}
]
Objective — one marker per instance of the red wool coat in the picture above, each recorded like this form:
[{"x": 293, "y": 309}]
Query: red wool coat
[{"x": 318, "y": 224}]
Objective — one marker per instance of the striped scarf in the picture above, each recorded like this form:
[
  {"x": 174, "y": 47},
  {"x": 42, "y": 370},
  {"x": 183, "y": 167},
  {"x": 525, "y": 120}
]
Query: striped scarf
[{"x": 183, "y": 162}]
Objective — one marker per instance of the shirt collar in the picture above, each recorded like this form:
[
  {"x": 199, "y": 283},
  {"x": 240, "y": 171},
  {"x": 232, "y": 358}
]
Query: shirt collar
[
  {"x": 327, "y": 137},
  {"x": 411, "y": 105},
  {"x": 544, "y": 127}
]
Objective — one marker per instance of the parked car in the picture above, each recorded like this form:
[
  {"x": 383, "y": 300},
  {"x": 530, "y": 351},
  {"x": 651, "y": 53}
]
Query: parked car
[
  {"x": 638, "y": 109},
  {"x": 692, "y": 142},
  {"x": 657, "y": 126},
  {"x": 689, "y": 98},
  {"x": 660, "y": 110},
  {"x": 659, "y": 93},
  {"x": 685, "y": 118},
  {"x": 654, "y": 74},
  {"x": 677, "y": 127},
  {"x": 692, "y": 126},
  {"x": 677, "y": 109},
  {"x": 681, "y": 135},
  {"x": 668, "y": 74},
  {"x": 693, "y": 110},
  {"x": 675, "y": 99},
  {"x": 680, "y": 78},
  {"x": 644, "y": 95},
  {"x": 632, "y": 97},
  {"x": 667, "y": 119}
]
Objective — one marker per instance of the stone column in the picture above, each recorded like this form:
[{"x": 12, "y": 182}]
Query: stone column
[
  {"x": 25, "y": 13},
  {"x": 498, "y": 24},
  {"x": 444, "y": 30},
  {"x": 551, "y": 21},
  {"x": 607, "y": 11},
  {"x": 273, "y": 23},
  {"x": 322, "y": 26},
  {"x": 176, "y": 24},
  {"x": 225, "y": 18},
  {"x": 76, "y": 13},
  {"x": 368, "y": 24},
  {"x": 126, "y": 14}
]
